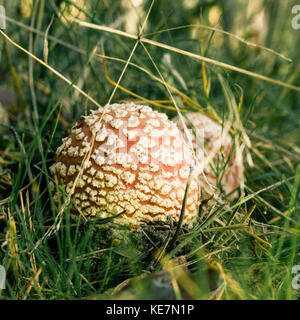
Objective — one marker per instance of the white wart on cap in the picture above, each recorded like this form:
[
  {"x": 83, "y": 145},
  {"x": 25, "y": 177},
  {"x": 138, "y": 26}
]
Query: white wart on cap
[
  {"x": 217, "y": 147},
  {"x": 139, "y": 163}
]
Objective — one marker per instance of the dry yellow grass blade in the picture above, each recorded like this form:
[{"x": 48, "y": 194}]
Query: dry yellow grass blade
[
  {"x": 256, "y": 237},
  {"x": 249, "y": 213},
  {"x": 12, "y": 243},
  {"x": 227, "y": 66},
  {"x": 229, "y": 34},
  {"x": 33, "y": 283}
]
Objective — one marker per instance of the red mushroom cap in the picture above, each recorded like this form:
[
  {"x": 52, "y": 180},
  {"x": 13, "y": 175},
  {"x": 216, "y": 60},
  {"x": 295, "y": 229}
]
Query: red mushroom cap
[{"x": 139, "y": 163}]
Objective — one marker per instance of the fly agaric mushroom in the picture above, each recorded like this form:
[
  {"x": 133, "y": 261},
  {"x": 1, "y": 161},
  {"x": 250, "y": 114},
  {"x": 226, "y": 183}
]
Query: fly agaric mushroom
[
  {"x": 216, "y": 157},
  {"x": 139, "y": 162}
]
